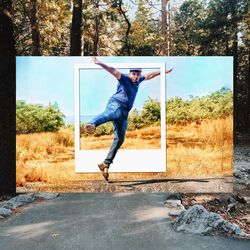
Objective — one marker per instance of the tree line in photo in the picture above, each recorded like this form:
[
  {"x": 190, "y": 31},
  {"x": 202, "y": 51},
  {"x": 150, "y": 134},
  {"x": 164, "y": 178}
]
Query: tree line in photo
[
  {"x": 153, "y": 28},
  {"x": 31, "y": 118}
]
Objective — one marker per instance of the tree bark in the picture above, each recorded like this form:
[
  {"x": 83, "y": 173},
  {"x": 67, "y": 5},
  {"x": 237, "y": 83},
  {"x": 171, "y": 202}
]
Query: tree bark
[
  {"x": 248, "y": 94},
  {"x": 8, "y": 102},
  {"x": 86, "y": 51},
  {"x": 35, "y": 30},
  {"x": 169, "y": 29},
  {"x": 76, "y": 29},
  {"x": 227, "y": 51},
  {"x": 164, "y": 26},
  {"x": 235, "y": 71},
  {"x": 97, "y": 24}
]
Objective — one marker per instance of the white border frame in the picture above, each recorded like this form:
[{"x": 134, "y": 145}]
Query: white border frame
[{"x": 126, "y": 160}]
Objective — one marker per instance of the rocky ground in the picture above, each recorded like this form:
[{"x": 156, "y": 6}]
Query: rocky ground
[{"x": 234, "y": 206}]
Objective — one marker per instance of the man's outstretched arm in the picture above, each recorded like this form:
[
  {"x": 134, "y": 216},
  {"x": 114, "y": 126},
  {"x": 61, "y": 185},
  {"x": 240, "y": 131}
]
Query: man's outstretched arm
[
  {"x": 116, "y": 73},
  {"x": 151, "y": 75}
]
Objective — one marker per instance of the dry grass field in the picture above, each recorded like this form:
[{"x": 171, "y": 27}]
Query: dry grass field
[
  {"x": 200, "y": 149},
  {"x": 145, "y": 138},
  {"x": 194, "y": 150}
]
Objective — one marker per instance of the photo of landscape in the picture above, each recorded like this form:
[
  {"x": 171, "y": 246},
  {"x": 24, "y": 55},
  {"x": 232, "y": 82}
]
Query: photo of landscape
[
  {"x": 96, "y": 87},
  {"x": 199, "y": 124}
]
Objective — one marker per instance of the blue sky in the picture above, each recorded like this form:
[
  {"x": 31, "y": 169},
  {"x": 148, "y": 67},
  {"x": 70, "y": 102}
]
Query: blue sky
[{"x": 49, "y": 79}]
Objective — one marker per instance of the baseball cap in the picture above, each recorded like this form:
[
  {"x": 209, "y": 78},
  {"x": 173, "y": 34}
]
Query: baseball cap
[{"x": 135, "y": 69}]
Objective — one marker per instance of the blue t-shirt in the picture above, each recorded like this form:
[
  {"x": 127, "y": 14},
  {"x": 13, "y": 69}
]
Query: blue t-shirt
[{"x": 127, "y": 90}]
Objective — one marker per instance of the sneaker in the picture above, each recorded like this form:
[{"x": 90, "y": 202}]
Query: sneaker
[
  {"x": 89, "y": 128},
  {"x": 102, "y": 166}
]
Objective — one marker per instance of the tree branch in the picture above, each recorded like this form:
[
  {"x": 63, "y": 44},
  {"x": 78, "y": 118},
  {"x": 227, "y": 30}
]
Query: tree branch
[{"x": 128, "y": 26}]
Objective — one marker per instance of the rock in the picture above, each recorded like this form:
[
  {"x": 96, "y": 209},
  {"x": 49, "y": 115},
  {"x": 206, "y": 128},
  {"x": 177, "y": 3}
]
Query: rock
[
  {"x": 237, "y": 175},
  {"x": 18, "y": 201},
  {"x": 240, "y": 199},
  {"x": 173, "y": 196},
  {"x": 231, "y": 207},
  {"x": 246, "y": 218},
  {"x": 218, "y": 201},
  {"x": 174, "y": 204},
  {"x": 231, "y": 200},
  {"x": 4, "y": 212},
  {"x": 21, "y": 200},
  {"x": 199, "y": 221},
  {"x": 47, "y": 196},
  {"x": 175, "y": 212}
]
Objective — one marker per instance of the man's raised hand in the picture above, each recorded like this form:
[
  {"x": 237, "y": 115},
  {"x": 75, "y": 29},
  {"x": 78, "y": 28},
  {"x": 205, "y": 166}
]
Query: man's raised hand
[
  {"x": 95, "y": 60},
  {"x": 169, "y": 70},
  {"x": 111, "y": 70}
]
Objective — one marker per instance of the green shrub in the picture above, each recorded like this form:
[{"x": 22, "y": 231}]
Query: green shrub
[
  {"x": 32, "y": 118},
  {"x": 104, "y": 129},
  {"x": 218, "y": 104}
]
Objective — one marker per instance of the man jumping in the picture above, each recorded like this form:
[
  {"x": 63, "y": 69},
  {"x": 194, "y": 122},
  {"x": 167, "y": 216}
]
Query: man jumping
[{"x": 118, "y": 108}]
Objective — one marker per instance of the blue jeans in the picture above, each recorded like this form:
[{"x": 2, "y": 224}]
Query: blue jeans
[{"x": 118, "y": 114}]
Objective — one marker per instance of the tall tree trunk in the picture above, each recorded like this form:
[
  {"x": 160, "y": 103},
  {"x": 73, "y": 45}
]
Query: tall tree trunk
[
  {"x": 169, "y": 28},
  {"x": 248, "y": 95},
  {"x": 97, "y": 24},
  {"x": 235, "y": 69},
  {"x": 7, "y": 101},
  {"x": 164, "y": 25},
  {"x": 35, "y": 30},
  {"x": 227, "y": 51},
  {"x": 86, "y": 51},
  {"x": 236, "y": 103},
  {"x": 76, "y": 29}
]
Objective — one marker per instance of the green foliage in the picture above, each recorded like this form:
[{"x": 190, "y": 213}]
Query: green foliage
[
  {"x": 150, "y": 115},
  {"x": 145, "y": 36},
  {"x": 53, "y": 23},
  {"x": 176, "y": 110},
  {"x": 31, "y": 118},
  {"x": 216, "y": 105},
  {"x": 135, "y": 120},
  {"x": 102, "y": 27},
  {"x": 210, "y": 28},
  {"x": 186, "y": 28},
  {"x": 151, "y": 111},
  {"x": 104, "y": 129}
]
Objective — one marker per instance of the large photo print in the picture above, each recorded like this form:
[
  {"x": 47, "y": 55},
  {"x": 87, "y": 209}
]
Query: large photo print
[
  {"x": 105, "y": 100},
  {"x": 71, "y": 110}
]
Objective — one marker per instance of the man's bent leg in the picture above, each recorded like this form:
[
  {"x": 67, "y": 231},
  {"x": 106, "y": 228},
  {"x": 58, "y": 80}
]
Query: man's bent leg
[
  {"x": 120, "y": 127},
  {"x": 112, "y": 112}
]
